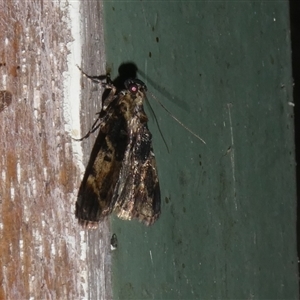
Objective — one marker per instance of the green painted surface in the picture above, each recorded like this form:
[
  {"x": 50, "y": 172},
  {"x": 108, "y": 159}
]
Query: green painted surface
[{"x": 227, "y": 228}]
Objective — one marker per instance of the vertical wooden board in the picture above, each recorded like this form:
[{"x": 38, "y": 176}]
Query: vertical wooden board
[{"x": 227, "y": 228}]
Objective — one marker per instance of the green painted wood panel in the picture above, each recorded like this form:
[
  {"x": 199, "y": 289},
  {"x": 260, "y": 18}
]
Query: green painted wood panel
[{"x": 227, "y": 228}]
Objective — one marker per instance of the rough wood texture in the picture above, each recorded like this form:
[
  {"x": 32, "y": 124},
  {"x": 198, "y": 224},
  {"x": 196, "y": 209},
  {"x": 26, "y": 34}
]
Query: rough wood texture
[{"x": 43, "y": 253}]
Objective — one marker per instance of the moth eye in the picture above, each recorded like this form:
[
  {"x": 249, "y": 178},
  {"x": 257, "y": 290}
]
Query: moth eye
[{"x": 133, "y": 88}]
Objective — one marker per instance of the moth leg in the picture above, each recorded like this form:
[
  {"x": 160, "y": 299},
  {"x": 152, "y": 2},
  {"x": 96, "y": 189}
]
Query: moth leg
[
  {"x": 94, "y": 128},
  {"x": 110, "y": 97},
  {"x": 96, "y": 79},
  {"x": 107, "y": 85}
]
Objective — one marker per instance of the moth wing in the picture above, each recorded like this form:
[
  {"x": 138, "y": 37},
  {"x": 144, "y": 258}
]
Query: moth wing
[
  {"x": 137, "y": 192},
  {"x": 97, "y": 187}
]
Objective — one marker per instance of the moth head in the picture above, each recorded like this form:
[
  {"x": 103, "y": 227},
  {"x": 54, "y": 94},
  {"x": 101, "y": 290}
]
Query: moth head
[{"x": 134, "y": 85}]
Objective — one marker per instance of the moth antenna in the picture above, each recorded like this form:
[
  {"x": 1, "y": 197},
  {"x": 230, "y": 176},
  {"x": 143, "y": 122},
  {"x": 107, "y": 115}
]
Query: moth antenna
[
  {"x": 179, "y": 122},
  {"x": 148, "y": 102}
]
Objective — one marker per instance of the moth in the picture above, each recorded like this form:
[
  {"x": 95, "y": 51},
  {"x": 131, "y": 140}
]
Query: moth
[{"x": 121, "y": 175}]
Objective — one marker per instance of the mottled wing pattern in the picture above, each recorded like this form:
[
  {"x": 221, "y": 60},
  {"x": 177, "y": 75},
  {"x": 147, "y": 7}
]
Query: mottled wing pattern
[
  {"x": 121, "y": 175},
  {"x": 137, "y": 192},
  {"x": 97, "y": 188}
]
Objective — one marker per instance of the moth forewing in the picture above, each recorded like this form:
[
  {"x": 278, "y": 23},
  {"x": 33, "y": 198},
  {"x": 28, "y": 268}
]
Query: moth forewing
[{"x": 132, "y": 193}]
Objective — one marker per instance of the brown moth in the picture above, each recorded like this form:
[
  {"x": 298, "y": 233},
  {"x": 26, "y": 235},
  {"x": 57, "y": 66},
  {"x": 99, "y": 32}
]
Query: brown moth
[{"x": 121, "y": 176}]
